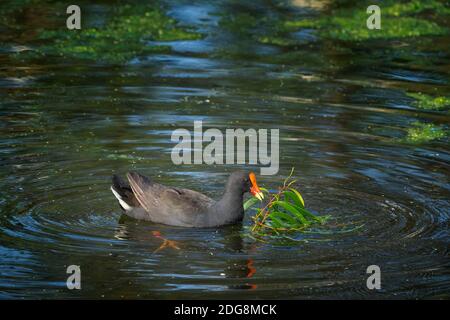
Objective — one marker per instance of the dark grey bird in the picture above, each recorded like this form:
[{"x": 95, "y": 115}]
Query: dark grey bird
[{"x": 143, "y": 199}]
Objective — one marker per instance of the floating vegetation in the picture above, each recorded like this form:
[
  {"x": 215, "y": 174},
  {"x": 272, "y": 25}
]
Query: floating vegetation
[
  {"x": 396, "y": 8},
  {"x": 426, "y": 102},
  {"x": 425, "y": 132},
  {"x": 130, "y": 157},
  {"x": 349, "y": 24},
  {"x": 399, "y": 20},
  {"x": 278, "y": 41},
  {"x": 284, "y": 213},
  {"x": 123, "y": 38}
]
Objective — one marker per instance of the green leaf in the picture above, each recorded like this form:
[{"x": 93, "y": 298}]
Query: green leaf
[
  {"x": 250, "y": 202},
  {"x": 290, "y": 208},
  {"x": 290, "y": 197},
  {"x": 283, "y": 216},
  {"x": 305, "y": 212},
  {"x": 276, "y": 223},
  {"x": 298, "y": 196}
]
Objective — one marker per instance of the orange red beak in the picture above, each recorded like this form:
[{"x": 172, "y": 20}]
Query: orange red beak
[{"x": 254, "y": 190}]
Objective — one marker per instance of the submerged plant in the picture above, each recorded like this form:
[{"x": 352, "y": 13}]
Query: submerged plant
[
  {"x": 284, "y": 213},
  {"x": 426, "y": 102},
  {"x": 124, "y": 37},
  {"x": 398, "y": 21},
  {"x": 424, "y": 132}
]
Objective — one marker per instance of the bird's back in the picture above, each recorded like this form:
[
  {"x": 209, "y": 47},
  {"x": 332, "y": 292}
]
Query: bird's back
[{"x": 168, "y": 205}]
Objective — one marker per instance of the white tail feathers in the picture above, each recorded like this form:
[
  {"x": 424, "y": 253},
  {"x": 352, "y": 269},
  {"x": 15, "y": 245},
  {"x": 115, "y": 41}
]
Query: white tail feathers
[{"x": 123, "y": 204}]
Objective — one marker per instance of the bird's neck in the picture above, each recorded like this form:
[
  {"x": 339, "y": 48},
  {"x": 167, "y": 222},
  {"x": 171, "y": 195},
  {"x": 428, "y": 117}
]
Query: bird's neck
[{"x": 230, "y": 205}]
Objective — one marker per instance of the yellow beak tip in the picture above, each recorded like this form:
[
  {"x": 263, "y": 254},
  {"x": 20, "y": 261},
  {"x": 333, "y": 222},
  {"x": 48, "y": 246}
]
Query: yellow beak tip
[{"x": 260, "y": 196}]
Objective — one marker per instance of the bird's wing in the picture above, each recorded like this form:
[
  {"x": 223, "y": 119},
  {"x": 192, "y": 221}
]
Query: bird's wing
[{"x": 167, "y": 204}]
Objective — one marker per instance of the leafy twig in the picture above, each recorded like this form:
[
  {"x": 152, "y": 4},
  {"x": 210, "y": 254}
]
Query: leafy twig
[{"x": 283, "y": 213}]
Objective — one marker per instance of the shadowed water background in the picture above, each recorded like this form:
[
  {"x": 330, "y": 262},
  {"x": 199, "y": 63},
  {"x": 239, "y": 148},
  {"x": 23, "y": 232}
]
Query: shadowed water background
[{"x": 67, "y": 125}]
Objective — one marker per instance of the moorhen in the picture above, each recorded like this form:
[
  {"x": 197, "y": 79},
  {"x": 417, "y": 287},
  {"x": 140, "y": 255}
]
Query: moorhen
[{"x": 145, "y": 199}]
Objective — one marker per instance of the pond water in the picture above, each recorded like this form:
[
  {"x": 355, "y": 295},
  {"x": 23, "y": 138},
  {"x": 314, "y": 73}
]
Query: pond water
[{"x": 68, "y": 124}]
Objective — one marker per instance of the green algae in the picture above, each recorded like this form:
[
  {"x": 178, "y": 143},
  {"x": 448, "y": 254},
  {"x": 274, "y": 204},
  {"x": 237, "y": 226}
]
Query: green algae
[
  {"x": 427, "y": 102},
  {"x": 424, "y": 132},
  {"x": 349, "y": 24},
  {"x": 125, "y": 37}
]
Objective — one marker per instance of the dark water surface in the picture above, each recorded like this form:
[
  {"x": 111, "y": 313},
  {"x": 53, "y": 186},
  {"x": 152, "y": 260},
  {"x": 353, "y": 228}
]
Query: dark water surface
[{"x": 67, "y": 125}]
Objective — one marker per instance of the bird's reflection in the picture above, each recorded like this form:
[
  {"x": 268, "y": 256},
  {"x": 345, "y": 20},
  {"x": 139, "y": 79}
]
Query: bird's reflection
[
  {"x": 166, "y": 243},
  {"x": 243, "y": 268},
  {"x": 121, "y": 232},
  {"x": 240, "y": 270}
]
